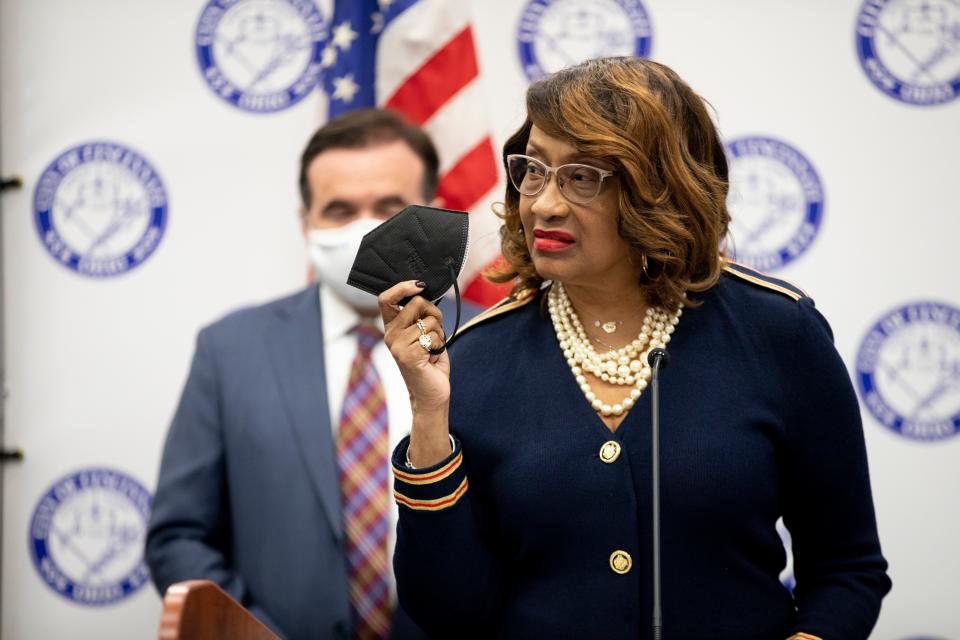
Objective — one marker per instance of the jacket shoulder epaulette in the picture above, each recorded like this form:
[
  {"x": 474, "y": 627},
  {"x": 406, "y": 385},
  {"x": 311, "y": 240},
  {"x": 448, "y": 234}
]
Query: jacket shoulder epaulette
[
  {"x": 508, "y": 304},
  {"x": 760, "y": 279}
]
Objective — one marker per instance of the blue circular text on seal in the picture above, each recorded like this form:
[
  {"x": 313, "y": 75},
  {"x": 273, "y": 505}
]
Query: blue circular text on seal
[
  {"x": 775, "y": 201},
  {"x": 908, "y": 371},
  {"x": 87, "y": 535},
  {"x": 554, "y": 34},
  {"x": 261, "y": 55},
  {"x": 910, "y": 49},
  {"x": 100, "y": 209}
]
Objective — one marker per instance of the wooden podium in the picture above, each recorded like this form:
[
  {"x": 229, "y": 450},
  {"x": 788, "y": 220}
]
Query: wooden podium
[{"x": 200, "y": 610}]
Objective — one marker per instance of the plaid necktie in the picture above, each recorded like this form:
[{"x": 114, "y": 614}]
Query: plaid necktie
[{"x": 363, "y": 458}]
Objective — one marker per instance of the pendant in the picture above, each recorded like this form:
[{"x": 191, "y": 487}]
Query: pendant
[{"x": 609, "y": 327}]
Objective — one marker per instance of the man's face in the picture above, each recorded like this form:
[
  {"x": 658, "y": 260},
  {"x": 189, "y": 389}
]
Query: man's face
[{"x": 371, "y": 182}]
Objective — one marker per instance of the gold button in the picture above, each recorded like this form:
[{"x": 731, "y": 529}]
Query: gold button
[
  {"x": 610, "y": 451},
  {"x": 620, "y": 562}
]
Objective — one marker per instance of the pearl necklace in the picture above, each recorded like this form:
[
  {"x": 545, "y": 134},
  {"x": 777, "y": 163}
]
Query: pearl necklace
[{"x": 626, "y": 366}]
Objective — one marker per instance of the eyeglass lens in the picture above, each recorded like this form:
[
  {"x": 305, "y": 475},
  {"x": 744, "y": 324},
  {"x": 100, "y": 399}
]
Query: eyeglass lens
[{"x": 579, "y": 183}]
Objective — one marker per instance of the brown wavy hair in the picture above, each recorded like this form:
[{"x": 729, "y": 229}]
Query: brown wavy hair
[{"x": 642, "y": 117}]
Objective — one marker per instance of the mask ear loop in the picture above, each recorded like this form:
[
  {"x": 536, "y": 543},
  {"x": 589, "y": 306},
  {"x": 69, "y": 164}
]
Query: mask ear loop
[{"x": 456, "y": 325}]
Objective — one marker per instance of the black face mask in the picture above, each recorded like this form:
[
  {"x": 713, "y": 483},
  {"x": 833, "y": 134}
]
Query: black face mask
[{"x": 419, "y": 243}]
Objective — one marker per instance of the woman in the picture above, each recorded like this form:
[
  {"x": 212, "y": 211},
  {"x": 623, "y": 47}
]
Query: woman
[{"x": 537, "y": 523}]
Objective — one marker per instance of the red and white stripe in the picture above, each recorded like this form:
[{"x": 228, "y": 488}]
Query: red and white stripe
[{"x": 427, "y": 69}]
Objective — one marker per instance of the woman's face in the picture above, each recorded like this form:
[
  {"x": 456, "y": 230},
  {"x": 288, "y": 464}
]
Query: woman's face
[{"x": 577, "y": 244}]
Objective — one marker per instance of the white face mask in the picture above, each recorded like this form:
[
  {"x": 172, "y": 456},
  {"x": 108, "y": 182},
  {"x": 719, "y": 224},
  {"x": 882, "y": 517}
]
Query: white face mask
[{"x": 332, "y": 252}]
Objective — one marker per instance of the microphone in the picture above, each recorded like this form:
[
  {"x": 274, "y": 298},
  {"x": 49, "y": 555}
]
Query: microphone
[{"x": 658, "y": 359}]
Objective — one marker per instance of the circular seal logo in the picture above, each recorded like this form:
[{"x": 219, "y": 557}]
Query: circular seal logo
[
  {"x": 775, "y": 202},
  {"x": 100, "y": 209},
  {"x": 554, "y": 34},
  {"x": 908, "y": 370},
  {"x": 261, "y": 55},
  {"x": 910, "y": 49},
  {"x": 87, "y": 535}
]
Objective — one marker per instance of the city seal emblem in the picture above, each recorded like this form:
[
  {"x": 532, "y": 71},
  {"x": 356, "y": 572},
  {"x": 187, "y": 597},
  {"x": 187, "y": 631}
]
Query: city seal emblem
[
  {"x": 87, "y": 535},
  {"x": 775, "y": 201},
  {"x": 908, "y": 371},
  {"x": 261, "y": 55},
  {"x": 910, "y": 49},
  {"x": 554, "y": 34},
  {"x": 100, "y": 209}
]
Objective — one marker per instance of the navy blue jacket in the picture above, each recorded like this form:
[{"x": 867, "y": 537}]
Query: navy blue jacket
[{"x": 513, "y": 536}]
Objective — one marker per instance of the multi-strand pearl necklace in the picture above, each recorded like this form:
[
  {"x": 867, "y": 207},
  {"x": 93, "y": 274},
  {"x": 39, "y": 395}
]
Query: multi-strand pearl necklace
[{"x": 626, "y": 366}]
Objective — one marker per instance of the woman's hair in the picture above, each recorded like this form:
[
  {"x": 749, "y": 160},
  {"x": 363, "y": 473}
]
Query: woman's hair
[{"x": 671, "y": 168}]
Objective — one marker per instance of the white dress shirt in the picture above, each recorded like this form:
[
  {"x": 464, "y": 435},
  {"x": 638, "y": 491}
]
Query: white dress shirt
[{"x": 340, "y": 347}]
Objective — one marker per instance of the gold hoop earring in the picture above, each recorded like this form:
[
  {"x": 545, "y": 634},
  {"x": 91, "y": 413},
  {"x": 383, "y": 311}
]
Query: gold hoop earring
[{"x": 643, "y": 266}]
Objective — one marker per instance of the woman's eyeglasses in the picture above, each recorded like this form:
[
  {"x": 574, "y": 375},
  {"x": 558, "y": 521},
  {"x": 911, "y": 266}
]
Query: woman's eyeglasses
[{"x": 579, "y": 183}]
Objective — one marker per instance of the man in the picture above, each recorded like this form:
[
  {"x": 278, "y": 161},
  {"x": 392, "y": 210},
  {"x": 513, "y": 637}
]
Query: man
[{"x": 273, "y": 482}]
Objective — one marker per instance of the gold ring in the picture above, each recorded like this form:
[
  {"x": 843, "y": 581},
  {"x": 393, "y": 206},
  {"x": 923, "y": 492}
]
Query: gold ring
[
  {"x": 426, "y": 342},
  {"x": 421, "y": 326}
]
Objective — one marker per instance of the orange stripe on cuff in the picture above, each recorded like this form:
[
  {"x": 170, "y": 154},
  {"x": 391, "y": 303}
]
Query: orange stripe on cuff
[
  {"x": 430, "y": 478},
  {"x": 432, "y": 505}
]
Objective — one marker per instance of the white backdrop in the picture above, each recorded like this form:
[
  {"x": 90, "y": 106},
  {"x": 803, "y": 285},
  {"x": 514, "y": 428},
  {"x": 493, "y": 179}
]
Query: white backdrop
[{"x": 95, "y": 365}]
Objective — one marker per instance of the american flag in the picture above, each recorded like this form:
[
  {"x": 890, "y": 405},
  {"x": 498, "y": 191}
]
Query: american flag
[{"x": 418, "y": 58}]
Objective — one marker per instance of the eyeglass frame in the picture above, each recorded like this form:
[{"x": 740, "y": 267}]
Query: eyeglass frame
[{"x": 604, "y": 174}]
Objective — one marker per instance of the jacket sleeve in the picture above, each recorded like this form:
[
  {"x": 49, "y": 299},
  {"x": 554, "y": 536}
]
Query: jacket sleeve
[
  {"x": 840, "y": 572},
  {"x": 189, "y": 533},
  {"x": 447, "y": 576}
]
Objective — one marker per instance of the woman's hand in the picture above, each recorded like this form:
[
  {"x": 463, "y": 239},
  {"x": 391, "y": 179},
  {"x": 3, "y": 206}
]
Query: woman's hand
[{"x": 427, "y": 376}]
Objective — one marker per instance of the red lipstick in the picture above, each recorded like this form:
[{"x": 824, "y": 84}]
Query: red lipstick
[{"x": 552, "y": 240}]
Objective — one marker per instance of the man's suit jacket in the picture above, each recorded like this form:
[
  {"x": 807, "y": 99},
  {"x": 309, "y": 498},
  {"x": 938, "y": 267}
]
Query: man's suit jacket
[{"x": 248, "y": 494}]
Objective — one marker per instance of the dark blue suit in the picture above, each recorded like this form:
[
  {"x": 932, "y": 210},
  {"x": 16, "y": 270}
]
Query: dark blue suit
[
  {"x": 248, "y": 494},
  {"x": 517, "y": 535}
]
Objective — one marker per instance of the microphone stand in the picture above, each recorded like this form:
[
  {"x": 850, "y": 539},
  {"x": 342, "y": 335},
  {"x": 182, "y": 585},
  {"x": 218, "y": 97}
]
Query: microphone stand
[{"x": 658, "y": 359}]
